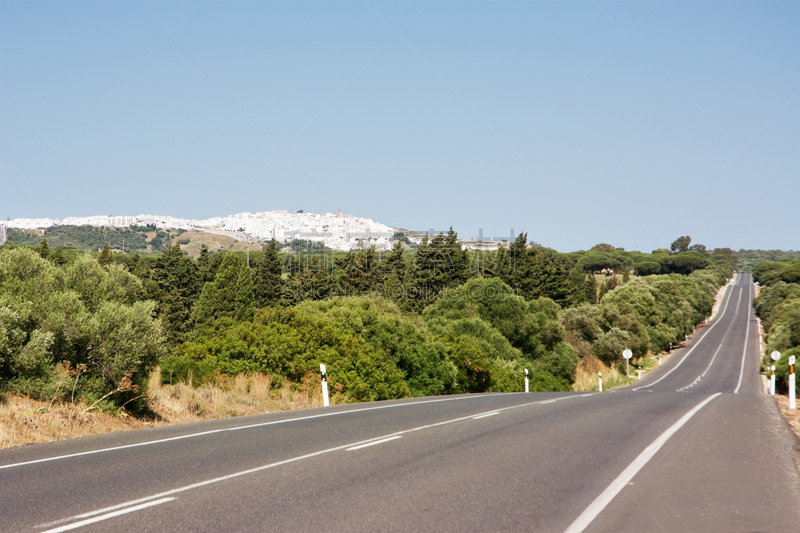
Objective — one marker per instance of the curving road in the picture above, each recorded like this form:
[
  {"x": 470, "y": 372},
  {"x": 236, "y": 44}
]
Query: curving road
[{"x": 694, "y": 446}]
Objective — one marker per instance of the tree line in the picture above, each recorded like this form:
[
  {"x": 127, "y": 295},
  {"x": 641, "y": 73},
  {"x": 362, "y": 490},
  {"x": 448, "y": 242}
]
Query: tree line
[
  {"x": 435, "y": 320},
  {"x": 778, "y": 307},
  {"x": 65, "y": 240}
]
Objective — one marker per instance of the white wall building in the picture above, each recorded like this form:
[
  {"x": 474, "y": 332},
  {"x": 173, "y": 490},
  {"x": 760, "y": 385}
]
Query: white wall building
[
  {"x": 339, "y": 232},
  {"x": 32, "y": 223}
]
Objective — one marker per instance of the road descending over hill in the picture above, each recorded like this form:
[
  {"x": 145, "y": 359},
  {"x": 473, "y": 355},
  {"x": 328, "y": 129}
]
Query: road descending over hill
[{"x": 695, "y": 446}]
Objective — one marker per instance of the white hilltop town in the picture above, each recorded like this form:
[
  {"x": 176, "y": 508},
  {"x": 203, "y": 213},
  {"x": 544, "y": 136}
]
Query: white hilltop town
[{"x": 338, "y": 232}]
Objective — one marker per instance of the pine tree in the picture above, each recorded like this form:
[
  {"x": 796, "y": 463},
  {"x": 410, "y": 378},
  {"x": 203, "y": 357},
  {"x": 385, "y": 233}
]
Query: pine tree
[
  {"x": 245, "y": 299},
  {"x": 602, "y": 293},
  {"x": 42, "y": 249},
  {"x": 224, "y": 298},
  {"x": 360, "y": 272},
  {"x": 519, "y": 276},
  {"x": 105, "y": 258},
  {"x": 458, "y": 259},
  {"x": 177, "y": 283},
  {"x": 433, "y": 270},
  {"x": 176, "y": 317},
  {"x": 204, "y": 266},
  {"x": 496, "y": 263},
  {"x": 591, "y": 289},
  {"x": 395, "y": 263},
  {"x": 204, "y": 308},
  {"x": 543, "y": 273},
  {"x": 267, "y": 282},
  {"x": 316, "y": 282}
]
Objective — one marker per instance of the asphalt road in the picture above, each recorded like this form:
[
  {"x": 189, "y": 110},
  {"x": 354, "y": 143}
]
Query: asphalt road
[{"x": 695, "y": 446}]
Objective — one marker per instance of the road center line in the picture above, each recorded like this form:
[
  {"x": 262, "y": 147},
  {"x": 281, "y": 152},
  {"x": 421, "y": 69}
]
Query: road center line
[
  {"x": 100, "y": 518},
  {"x": 730, "y": 293},
  {"x": 600, "y": 503},
  {"x": 746, "y": 336},
  {"x": 384, "y": 438},
  {"x": 373, "y": 443},
  {"x": 237, "y": 428},
  {"x": 721, "y": 343},
  {"x": 488, "y": 414}
]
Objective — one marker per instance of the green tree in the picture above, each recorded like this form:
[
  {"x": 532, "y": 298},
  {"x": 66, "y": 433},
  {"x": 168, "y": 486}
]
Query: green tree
[
  {"x": 647, "y": 268},
  {"x": 604, "y": 248},
  {"x": 597, "y": 261},
  {"x": 245, "y": 299},
  {"x": 429, "y": 275},
  {"x": 729, "y": 255},
  {"x": 220, "y": 298},
  {"x": 548, "y": 275},
  {"x": 395, "y": 263},
  {"x": 359, "y": 272},
  {"x": 204, "y": 270},
  {"x": 104, "y": 257},
  {"x": 458, "y": 263},
  {"x": 267, "y": 282},
  {"x": 176, "y": 276},
  {"x": 42, "y": 249},
  {"x": 688, "y": 262},
  {"x": 681, "y": 244}
]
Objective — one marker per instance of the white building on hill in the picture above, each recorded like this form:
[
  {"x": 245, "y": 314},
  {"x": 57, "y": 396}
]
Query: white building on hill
[{"x": 339, "y": 232}]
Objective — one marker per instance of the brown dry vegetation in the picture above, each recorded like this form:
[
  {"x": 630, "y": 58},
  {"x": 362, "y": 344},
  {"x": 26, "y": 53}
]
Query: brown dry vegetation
[
  {"x": 26, "y": 421},
  {"x": 214, "y": 243},
  {"x": 587, "y": 373}
]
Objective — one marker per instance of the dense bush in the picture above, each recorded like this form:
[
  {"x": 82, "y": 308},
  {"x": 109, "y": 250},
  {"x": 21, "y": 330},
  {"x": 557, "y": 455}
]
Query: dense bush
[
  {"x": 83, "y": 323},
  {"x": 508, "y": 327},
  {"x": 372, "y": 351},
  {"x": 778, "y": 307}
]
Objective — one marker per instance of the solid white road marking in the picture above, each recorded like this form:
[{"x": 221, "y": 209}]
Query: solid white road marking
[
  {"x": 693, "y": 347},
  {"x": 591, "y": 512},
  {"x": 746, "y": 336},
  {"x": 127, "y": 510},
  {"x": 299, "y": 458},
  {"x": 373, "y": 443}
]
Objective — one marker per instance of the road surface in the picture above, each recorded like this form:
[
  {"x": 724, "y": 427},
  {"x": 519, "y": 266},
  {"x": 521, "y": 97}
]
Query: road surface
[{"x": 695, "y": 446}]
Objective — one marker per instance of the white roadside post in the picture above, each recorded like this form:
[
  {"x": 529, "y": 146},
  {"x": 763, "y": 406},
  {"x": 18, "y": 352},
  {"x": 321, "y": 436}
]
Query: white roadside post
[
  {"x": 325, "y": 400},
  {"x": 526, "y": 380},
  {"x": 659, "y": 360},
  {"x": 600, "y": 378},
  {"x": 640, "y": 374},
  {"x": 627, "y": 354},
  {"x": 792, "y": 398},
  {"x": 772, "y": 381},
  {"x": 775, "y": 355}
]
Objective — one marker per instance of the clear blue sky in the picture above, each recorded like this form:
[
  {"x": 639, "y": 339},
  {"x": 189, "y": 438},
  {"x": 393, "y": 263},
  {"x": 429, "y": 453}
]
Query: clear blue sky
[{"x": 630, "y": 123}]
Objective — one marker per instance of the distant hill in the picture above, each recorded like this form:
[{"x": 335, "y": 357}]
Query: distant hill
[
  {"x": 142, "y": 239},
  {"x": 137, "y": 239}
]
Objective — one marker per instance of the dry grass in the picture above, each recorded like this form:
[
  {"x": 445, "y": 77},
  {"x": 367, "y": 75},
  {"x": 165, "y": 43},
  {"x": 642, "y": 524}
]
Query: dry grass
[
  {"x": 587, "y": 378},
  {"x": 26, "y": 421},
  {"x": 214, "y": 242}
]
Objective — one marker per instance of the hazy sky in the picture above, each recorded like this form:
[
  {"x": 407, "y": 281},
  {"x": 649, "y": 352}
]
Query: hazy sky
[{"x": 630, "y": 123}]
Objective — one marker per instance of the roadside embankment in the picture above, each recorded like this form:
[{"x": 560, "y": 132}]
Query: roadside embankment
[{"x": 26, "y": 421}]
